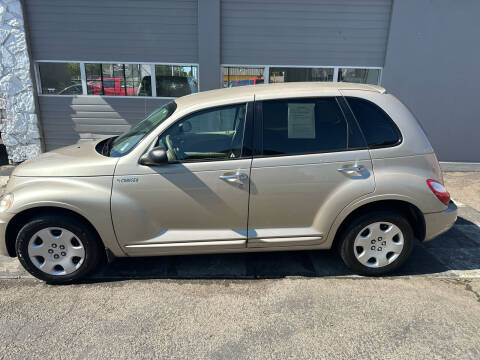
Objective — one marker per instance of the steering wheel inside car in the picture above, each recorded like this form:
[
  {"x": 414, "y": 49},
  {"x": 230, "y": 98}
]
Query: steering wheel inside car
[{"x": 175, "y": 148}]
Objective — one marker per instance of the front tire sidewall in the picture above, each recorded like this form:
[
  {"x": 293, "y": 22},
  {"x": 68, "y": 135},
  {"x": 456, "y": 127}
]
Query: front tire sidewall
[
  {"x": 82, "y": 233},
  {"x": 347, "y": 245}
]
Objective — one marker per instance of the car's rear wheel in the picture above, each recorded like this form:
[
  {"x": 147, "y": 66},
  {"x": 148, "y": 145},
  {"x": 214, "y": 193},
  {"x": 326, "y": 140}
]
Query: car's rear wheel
[
  {"x": 377, "y": 243},
  {"x": 58, "y": 249}
]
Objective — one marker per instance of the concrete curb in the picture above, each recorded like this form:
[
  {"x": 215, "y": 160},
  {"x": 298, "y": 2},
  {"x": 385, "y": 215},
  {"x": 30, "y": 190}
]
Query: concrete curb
[{"x": 459, "y": 166}]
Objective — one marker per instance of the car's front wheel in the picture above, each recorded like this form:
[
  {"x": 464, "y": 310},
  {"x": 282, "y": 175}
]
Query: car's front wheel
[
  {"x": 58, "y": 249},
  {"x": 377, "y": 243}
]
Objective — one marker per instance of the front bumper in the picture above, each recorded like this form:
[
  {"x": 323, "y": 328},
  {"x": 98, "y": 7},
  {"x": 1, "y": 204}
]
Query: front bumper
[
  {"x": 438, "y": 223},
  {"x": 4, "y": 219}
]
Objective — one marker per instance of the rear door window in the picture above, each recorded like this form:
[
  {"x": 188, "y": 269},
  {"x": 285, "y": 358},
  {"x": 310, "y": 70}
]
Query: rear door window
[
  {"x": 378, "y": 128},
  {"x": 303, "y": 126}
]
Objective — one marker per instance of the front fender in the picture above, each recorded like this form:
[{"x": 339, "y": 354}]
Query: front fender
[{"x": 87, "y": 196}]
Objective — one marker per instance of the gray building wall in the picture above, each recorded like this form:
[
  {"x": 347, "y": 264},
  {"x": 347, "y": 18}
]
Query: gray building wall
[
  {"x": 432, "y": 65},
  {"x": 207, "y": 32},
  {"x": 67, "y": 120},
  {"x": 106, "y": 30},
  {"x": 428, "y": 49},
  {"x": 113, "y": 30},
  {"x": 305, "y": 32},
  {"x": 209, "y": 43}
]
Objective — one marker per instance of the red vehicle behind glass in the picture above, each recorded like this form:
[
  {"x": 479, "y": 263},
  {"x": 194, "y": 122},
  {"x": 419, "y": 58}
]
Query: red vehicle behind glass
[
  {"x": 245, "y": 82},
  {"x": 111, "y": 86}
]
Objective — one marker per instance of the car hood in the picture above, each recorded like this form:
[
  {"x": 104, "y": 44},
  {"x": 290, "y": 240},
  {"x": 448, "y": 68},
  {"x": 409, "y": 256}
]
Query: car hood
[{"x": 76, "y": 160}]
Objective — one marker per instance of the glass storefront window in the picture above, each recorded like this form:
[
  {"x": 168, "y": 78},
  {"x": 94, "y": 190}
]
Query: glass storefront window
[
  {"x": 294, "y": 74},
  {"x": 178, "y": 80},
  {"x": 362, "y": 76},
  {"x": 240, "y": 76},
  {"x": 60, "y": 78},
  {"x": 116, "y": 79},
  {"x": 175, "y": 80}
]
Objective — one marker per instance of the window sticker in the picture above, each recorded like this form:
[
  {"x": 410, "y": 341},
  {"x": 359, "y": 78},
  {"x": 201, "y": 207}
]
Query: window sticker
[{"x": 301, "y": 121}]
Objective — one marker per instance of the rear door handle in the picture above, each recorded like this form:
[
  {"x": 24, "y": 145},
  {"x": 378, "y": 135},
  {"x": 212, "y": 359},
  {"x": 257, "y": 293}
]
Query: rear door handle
[
  {"x": 234, "y": 177},
  {"x": 352, "y": 168}
]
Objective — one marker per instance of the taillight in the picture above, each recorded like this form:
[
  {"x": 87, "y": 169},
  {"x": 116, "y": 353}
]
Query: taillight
[{"x": 439, "y": 190}]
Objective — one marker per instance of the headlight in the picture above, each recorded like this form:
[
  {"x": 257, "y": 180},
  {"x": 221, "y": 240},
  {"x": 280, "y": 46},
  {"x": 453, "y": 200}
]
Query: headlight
[{"x": 5, "y": 202}]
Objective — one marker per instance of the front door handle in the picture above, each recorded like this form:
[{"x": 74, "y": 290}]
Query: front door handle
[
  {"x": 351, "y": 168},
  {"x": 234, "y": 177}
]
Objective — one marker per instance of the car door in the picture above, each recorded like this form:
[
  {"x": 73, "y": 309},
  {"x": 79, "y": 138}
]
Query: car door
[
  {"x": 199, "y": 200},
  {"x": 310, "y": 161}
]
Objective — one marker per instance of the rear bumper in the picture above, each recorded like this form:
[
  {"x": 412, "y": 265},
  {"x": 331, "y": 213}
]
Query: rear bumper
[{"x": 438, "y": 223}]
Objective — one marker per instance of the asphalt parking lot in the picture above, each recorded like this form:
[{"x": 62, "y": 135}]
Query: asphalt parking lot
[{"x": 266, "y": 305}]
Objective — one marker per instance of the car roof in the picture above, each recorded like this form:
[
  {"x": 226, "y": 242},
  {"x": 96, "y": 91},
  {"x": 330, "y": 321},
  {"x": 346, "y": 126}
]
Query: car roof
[{"x": 271, "y": 91}]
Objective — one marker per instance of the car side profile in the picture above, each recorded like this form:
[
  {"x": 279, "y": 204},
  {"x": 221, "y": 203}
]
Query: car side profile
[{"x": 274, "y": 167}]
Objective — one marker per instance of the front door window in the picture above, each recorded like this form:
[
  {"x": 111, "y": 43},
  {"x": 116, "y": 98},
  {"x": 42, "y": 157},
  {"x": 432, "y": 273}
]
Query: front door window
[{"x": 213, "y": 134}]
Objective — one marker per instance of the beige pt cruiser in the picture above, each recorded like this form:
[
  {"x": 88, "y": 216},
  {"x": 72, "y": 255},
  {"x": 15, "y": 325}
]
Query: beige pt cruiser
[{"x": 274, "y": 167}]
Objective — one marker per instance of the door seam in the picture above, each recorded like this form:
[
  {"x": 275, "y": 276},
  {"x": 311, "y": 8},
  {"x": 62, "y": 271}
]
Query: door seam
[{"x": 111, "y": 214}]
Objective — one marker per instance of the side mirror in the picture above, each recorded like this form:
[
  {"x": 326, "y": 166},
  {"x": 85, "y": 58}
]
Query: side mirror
[{"x": 156, "y": 156}]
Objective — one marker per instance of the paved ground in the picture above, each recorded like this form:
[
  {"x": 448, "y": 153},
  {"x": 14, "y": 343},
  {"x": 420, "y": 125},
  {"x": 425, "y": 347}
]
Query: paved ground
[
  {"x": 464, "y": 187},
  {"x": 269, "y": 305},
  {"x": 328, "y": 318}
]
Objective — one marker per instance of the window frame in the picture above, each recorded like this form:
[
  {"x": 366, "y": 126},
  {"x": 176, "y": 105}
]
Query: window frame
[
  {"x": 258, "y": 129},
  {"x": 84, "y": 77},
  {"x": 247, "y": 134},
  {"x": 38, "y": 81},
  {"x": 334, "y": 74},
  {"x": 400, "y": 138},
  {"x": 222, "y": 66},
  {"x": 336, "y": 70}
]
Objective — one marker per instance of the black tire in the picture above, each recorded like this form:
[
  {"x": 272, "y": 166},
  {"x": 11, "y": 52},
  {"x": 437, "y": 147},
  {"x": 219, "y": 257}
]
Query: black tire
[
  {"x": 89, "y": 240},
  {"x": 348, "y": 236}
]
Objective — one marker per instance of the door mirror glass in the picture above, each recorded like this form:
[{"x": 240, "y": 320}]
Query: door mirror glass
[{"x": 156, "y": 156}]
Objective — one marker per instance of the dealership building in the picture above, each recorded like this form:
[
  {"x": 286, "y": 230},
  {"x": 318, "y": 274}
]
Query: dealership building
[{"x": 75, "y": 70}]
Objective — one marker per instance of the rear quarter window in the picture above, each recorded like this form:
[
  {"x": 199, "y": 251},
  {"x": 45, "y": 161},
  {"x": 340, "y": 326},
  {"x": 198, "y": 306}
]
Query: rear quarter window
[{"x": 377, "y": 127}]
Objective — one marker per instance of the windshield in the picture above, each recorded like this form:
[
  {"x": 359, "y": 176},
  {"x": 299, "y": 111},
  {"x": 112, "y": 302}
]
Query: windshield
[{"x": 124, "y": 143}]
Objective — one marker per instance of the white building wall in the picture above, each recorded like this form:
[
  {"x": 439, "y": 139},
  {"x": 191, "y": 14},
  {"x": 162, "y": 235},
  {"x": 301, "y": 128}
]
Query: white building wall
[{"x": 20, "y": 132}]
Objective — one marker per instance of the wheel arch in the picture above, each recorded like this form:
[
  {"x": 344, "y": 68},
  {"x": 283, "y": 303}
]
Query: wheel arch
[
  {"x": 413, "y": 214},
  {"x": 20, "y": 219}
]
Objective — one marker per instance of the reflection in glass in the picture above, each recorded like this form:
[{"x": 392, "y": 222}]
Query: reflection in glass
[
  {"x": 362, "y": 76},
  {"x": 124, "y": 143},
  {"x": 281, "y": 75},
  {"x": 116, "y": 79},
  {"x": 240, "y": 76},
  {"x": 212, "y": 134},
  {"x": 172, "y": 81},
  {"x": 60, "y": 78}
]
